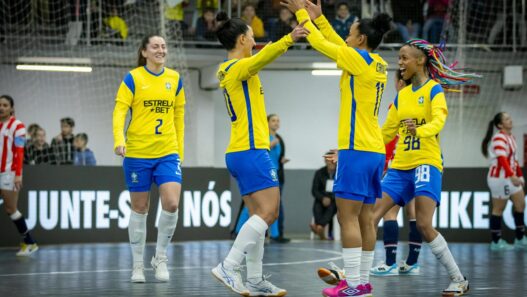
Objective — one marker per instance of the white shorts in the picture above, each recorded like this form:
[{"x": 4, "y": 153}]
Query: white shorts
[
  {"x": 502, "y": 188},
  {"x": 7, "y": 181}
]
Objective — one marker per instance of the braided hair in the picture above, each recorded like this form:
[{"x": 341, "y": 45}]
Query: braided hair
[{"x": 437, "y": 65}]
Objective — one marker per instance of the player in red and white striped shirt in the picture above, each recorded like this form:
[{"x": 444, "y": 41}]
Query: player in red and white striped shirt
[
  {"x": 505, "y": 180},
  {"x": 12, "y": 141}
]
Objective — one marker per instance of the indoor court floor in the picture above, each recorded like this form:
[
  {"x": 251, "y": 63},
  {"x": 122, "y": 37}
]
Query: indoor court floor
[{"x": 104, "y": 270}]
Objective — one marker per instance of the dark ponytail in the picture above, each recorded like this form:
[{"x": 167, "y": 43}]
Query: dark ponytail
[
  {"x": 141, "y": 61},
  {"x": 488, "y": 136},
  {"x": 229, "y": 30},
  {"x": 375, "y": 29}
]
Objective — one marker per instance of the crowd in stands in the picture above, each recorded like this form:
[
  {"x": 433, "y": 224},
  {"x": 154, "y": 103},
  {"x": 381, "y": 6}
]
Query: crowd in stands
[{"x": 65, "y": 148}]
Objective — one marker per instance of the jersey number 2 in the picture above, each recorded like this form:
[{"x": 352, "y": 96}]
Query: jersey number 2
[{"x": 159, "y": 123}]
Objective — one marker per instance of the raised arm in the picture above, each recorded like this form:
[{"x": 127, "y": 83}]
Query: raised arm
[
  {"x": 391, "y": 125},
  {"x": 315, "y": 38},
  {"x": 315, "y": 13},
  {"x": 179, "y": 119},
  {"x": 439, "y": 114}
]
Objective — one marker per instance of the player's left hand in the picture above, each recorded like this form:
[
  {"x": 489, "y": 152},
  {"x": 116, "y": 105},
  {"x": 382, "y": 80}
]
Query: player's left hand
[
  {"x": 293, "y": 5},
  {"x": 284, "y": 160},
  {"x": 410, "y": 126},
  {"x": 299, "y": 32},
  {"x": 18, "y": 183}
]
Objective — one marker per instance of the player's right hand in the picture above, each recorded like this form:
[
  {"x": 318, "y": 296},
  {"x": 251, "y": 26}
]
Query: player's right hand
[
  {"x": 314, "y": 10},
  {"x": 120, "y": 150},
  {"x": 516, "y": 181}
]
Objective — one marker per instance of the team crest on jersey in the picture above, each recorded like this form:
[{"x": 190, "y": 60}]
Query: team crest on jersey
[
  {"x": 421, "y": 100},
  {"x": 134, "y": 177},
  {"x": 221, "y": 75},
  {"x": 168, "y": 86},
  {"x": 274, "y": 176}
]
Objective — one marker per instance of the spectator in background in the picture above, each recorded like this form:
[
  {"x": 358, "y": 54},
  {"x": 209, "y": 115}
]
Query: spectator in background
[
  {"x": 435, "y": 11},
  {"x": 116, "y": 25},
  {"x": 285, "y": 24},
  {"x": 206, "y": 26},
  {"x": 408, "y": 16},
  {"x": 83, "y": 156},
  {"x": 38, "y": 151},
  {"x": 201, "y": 7},
  {"x": 324, "y": 207},
  {"x": 277, "y": 155},
  {"x": 175, "y": 16},
  {"x": 62, "y": 144},
  {"x": 250, "y": 17},
  {"x": 343, "y": 20},
  {"x": 31, "y": 131}
]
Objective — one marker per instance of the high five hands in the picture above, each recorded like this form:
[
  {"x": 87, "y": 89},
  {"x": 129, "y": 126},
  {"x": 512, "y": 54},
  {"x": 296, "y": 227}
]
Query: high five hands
[{"x": 314, "y": 10}]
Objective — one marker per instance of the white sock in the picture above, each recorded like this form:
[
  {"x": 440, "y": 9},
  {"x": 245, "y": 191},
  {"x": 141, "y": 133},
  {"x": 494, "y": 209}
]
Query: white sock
[
  {"x": 16, "y": 215},
  {"x": 352, "y": 265},
  {"x": 137, "y": 235},
  {"x": 440, "y": 249},
  {"x": 366, "y": 261},
  {"x": 254, "y": 260},
  {"x": 248, "y": 238},
  {"x": 165, "y": 231}
]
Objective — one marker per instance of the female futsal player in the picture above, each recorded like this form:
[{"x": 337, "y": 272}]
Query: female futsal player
[
  {"x": 390, "y": 225},
  {"x": 505, "y": 180},
  {"x": 361, "y": 149},
  {"x": 418, "y": 115},
  {"x": 247, "y": 155},
  {"x": 153, "y": 150},
  {"x": 12, "y": 151}
]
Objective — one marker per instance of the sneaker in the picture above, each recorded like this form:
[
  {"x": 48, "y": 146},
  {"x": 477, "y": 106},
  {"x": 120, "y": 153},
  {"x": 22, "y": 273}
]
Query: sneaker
[
  {"x": 406, "y": 269},
  {"x": 521, "y": 244},
  {"x": 501, "y": 245},
  {"x": 264, "y": 288},
  {"x": 384, "y": 270},
  {"x": 231, "y": 278},
  {"x": 27, "y": 250},
  {"x": 457, "y": 288},
  {"x": 331, "y": 276},
  {"x": 368, "y": 290},
  {"x": 342, "y": 289},
  {"x": 159, "y": 263},
  {"x": 138, "y": 274}
]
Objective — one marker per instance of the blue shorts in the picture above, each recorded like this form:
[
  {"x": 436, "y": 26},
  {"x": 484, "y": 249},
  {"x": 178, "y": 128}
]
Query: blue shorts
[
  {"x": 141, "y": 173},
  {"x": 359, "y": 175},
  {"x": 252, "y": 169},
  {"x": 404, "y": 185}
]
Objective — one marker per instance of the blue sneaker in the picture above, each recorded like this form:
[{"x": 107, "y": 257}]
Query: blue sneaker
[
  {"x": 501, "y": 245},
  {"x": 406, "y": 269},
  {"x": 384, "y": 270},
  {"x": 521, "y": 244}
]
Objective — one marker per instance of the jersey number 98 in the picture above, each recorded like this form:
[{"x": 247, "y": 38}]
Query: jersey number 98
[{"x": 412, "y": 143}]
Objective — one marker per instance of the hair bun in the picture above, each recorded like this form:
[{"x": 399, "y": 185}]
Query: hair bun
[
  {"x": 381, "y": 22},
  {"x": 222, "y": 16}
]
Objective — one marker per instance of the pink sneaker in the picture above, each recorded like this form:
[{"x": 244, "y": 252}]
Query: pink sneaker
[
  {"x": 368, "y": 290},
  {"x": 342, "y": 289}
]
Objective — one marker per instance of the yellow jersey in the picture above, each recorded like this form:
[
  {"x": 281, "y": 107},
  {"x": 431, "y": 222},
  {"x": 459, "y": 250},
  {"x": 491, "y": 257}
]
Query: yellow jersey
[
  {"x": 426, "y": 106},
  {"x": 244, "y": 97},
  {"x": 362, "y": 84},
  {"x": 157, "y": 106}
]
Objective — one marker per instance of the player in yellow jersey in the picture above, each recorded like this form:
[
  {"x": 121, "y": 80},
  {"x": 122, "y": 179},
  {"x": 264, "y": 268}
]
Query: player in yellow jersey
[
  {"x": 153, "y": 149},
  {"x": 361, "y": 149},
  {"x": 247, "y": 155},
  {"x": 418, "y": 115}
]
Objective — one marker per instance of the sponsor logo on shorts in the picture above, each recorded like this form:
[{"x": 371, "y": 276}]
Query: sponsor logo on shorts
[
  {"x": 134, "y": 177},
  {"x": 274, "y": 176}
]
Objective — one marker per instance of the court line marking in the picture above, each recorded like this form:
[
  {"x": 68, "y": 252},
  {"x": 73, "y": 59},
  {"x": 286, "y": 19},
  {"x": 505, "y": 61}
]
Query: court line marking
[{"x": 192, "y": 267}]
